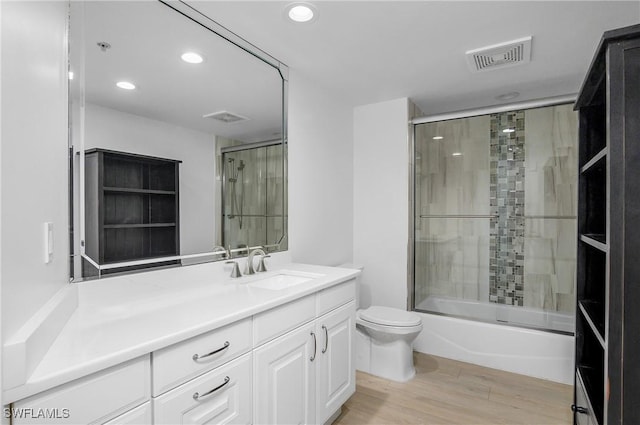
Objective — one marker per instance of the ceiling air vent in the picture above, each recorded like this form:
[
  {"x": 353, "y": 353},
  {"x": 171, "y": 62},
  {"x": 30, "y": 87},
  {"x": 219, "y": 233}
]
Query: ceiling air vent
[
  {"x": 225, "y": 117},
  {"x": 500, "y": 55}
]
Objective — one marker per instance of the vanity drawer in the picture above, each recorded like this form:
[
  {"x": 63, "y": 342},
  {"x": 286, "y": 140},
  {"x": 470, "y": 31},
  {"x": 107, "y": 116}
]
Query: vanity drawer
[
  {"x": 177, "y": 364},
  {"x": 280, "y": 320},
  {"x": 94, "y": 399},
  {"x": 334, "y": 297},
  {"x": 223, "y": 395},
  {"x": 141, "y": 415}
]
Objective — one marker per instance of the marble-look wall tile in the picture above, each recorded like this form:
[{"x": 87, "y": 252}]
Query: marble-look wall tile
[
  {"x": 452, "y": 177},
  {"x": 551, "y": 201},
  {"x": 528, "y": 257}
]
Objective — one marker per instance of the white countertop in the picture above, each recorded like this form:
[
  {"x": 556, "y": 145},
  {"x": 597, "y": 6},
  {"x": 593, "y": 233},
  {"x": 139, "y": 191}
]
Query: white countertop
[{"x": 121, "y": 318}]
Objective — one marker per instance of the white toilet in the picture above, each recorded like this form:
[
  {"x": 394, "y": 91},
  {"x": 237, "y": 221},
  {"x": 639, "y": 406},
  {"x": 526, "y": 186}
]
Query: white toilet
[{"x": 384, "y": 340}]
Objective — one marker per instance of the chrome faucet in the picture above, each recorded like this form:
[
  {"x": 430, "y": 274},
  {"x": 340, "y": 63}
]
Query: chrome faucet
[
  {"x": 261, "y": 266},
  {"x": 236, "y": 269}
]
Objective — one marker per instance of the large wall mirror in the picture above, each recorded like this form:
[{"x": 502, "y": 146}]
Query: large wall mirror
[{"x": 178, "y": 139}]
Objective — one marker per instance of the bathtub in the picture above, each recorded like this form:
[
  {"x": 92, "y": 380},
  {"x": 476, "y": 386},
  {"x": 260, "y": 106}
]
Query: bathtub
[
  {"x": 492, "y": 312},
  {"x": 484, "y": 342}
]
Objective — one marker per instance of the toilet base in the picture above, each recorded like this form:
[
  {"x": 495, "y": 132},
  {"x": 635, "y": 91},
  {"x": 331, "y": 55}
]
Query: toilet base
[{"x": 391, "y": 360}]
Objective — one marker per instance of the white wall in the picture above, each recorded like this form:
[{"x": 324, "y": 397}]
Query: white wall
[
  {"x": 34, "y": 157},
  {"x": 381, "y": 201},
  {"x": 320, "y": 175},
  {"x": 111, "y": 129}
]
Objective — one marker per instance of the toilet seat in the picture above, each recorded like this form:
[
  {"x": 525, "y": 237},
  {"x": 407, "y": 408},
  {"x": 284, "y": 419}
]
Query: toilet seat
[{"x": 387, "y": 316}]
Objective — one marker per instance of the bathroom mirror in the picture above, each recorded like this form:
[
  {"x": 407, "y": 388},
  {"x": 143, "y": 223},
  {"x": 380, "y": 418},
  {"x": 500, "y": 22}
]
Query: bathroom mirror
[{"x": 178, "y": 139}]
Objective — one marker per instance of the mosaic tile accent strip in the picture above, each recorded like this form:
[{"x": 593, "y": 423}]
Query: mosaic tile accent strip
[{"x": 506, "y": 234}]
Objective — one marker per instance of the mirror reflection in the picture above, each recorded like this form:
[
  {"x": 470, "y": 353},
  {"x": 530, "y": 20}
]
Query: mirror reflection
[{"x": 179, "y": 140}]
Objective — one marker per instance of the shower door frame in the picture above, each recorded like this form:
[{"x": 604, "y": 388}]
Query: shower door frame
[
  {"x": 223, "y": 189},
  {"x": 467, "y": 113}
]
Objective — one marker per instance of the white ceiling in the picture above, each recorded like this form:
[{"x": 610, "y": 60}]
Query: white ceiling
[
  {"x": 370, "y": 51},
  {"x": 147, "y": 39}
]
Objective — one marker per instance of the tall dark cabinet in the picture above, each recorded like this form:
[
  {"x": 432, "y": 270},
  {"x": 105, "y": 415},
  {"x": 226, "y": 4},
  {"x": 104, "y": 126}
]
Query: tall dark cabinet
[
  {"x": 131, "y": 209},
  {"x": 607, "y": 390}
]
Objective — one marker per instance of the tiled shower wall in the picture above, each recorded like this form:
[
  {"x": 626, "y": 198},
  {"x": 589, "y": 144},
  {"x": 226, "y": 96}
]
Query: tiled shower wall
[
  {"x": 526, "y": 255},
  {"x": 506, "y": 187}
]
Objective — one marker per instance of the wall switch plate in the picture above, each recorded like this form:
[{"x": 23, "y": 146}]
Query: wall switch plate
[{"x": 48, "y": 242}]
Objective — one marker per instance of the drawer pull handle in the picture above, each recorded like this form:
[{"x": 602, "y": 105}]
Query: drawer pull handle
[
  {"x": 315, "y": 346},
  {"x": 224, "y": 347},
  {"x": 326, "y": 339},
  {"x": 198, "y": 396},
  {"x": 578, "y": 409}
]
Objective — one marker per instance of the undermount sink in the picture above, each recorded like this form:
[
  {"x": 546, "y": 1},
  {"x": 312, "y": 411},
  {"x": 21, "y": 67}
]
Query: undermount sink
[{"x": 283, "y": 280}]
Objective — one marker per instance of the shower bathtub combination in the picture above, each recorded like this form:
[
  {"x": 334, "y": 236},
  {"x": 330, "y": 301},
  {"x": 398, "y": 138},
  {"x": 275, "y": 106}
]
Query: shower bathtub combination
[{"x": 494, "y": 238}]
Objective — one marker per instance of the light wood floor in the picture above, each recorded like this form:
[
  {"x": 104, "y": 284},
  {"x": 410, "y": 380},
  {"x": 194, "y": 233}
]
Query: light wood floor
[{"x": 450, "y": 392}]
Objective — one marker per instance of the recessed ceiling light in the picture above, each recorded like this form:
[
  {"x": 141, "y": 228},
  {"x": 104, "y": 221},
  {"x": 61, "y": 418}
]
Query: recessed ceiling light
[
  {"x": 438, "y": 137},
  {"x": 126, "y": 85},
  {"x": 508, "y": 96},
  {"x": 71, "y": 75},
  {"x": 508, "y": 130},
  {"x": 457, "y": 154},
  {"x": 301, "y": 12},
  {"x": 191, "y": 57}
]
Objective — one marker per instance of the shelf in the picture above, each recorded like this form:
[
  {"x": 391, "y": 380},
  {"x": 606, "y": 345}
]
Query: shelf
[
  {"x": 593, "y": 312},
  {"x": 594, "y": 405},
  {"x": 593, "y": 131},
  {"x": 142, "y": 191},
  {"x": 595, "y": 394},
  {"x": 138, "y": 225},
  {"x": 590, "y": 362},
  {"x": 595, "y": 160},
  {"x": 597, "y": 241}
]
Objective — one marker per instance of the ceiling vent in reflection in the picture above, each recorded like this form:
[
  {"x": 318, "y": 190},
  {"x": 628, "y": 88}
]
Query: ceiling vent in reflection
[
  {"x": 225, "y": 117},
  {"x": 500, "y": 55}
]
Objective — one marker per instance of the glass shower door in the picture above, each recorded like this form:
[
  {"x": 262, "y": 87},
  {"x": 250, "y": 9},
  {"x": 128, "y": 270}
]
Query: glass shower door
[
  {"x": 495, "y": 217},
  {"x": 252, "y": 211}
]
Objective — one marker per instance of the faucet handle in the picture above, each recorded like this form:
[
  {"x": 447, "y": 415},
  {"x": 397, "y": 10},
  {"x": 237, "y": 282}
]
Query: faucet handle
[
  {"x": 220, "y": 250},
  {"x": 248, "y": 266},
  {"x": 262, "y": 266},
  {"x": 236, "y": 269}
]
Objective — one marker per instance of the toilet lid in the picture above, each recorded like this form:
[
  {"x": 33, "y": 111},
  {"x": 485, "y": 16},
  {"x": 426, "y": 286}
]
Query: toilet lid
[{"x": 389, "y": 316}]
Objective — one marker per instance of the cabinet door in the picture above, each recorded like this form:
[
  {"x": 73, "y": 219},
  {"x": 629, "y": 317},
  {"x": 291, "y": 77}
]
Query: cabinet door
[
  {"x": 221, "y": 396},
  {"x": 284, "y": 378},
  {"x": 336, "y": 360}
]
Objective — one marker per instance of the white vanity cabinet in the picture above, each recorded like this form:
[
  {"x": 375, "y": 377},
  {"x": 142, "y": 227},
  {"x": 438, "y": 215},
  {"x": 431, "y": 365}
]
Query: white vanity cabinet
[
  {"x": 137, "y": 416},
  {"x": 293, "y": 363},
  {"x": 95, "y": 399},
  {"x": 285, "y": 378},
  {"x": 305, "y": 376},
  {"x": 221, "y": 396},
  {"x": 185, "y": 360},
  {"x": 335, "y": 361}
]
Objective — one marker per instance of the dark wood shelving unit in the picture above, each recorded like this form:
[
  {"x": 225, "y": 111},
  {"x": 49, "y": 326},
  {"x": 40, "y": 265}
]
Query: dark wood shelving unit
[
  {"x": 608, "y": 323},
  {"x": 132, "y": 209}
]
